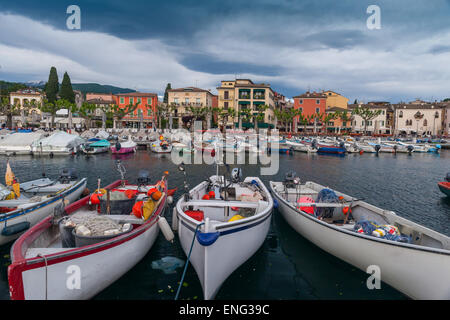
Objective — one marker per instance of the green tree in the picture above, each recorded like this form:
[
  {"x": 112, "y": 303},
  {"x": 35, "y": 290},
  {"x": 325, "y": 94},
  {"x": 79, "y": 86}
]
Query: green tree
[
  {"x": 87, "y": 112},
  {"x": 66, "y": 91},
  {"x": 366, "y": 114},
  {"x": 52, "y": 86},
  {"x": 8, "y": 109},
  {"x": 119, "y": 113},
  {"x": 166, "y": 93}
]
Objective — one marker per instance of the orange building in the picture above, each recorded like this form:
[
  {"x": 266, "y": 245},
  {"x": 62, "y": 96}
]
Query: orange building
[{"x": 145, "y": 111}]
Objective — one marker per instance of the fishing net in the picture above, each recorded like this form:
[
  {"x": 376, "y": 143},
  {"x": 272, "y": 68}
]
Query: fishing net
[
  {"x": 97, "y": 225},
  {"x": 326, "y": 196}
]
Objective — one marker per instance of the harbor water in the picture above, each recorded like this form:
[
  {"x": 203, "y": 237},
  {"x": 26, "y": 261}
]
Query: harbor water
[{"x": 287, "y": 266}]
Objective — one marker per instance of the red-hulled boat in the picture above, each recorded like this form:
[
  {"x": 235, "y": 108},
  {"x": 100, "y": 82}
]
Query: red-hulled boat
[
  {"x": 444, "y": 186},
  {"x": 45, "y": 267}
]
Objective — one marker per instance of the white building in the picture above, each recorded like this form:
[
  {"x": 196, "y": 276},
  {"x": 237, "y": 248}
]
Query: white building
[
  {"x": 419, "y": 117},
  {"x": 381, "y": 124}
]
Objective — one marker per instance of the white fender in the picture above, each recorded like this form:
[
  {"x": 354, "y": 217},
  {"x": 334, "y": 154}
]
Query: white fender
[
  {"x": 174, "y": 219},
  {"x": 165, "y": 229}
]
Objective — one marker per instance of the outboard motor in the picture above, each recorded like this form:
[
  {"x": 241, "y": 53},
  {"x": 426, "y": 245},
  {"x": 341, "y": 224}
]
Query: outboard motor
[
  {"x": 236, "y": 175},
  {"x": 143, "y": 178},
  {"x": 118, "y": 146},
  {"x": 291, "y": 179},
  {"x": 68, "y": 175},
  {"x": 447, "y": 177},
  {"x": 314, "y": 144},
  {"x": 377, "y": 148},
  {"x": 410, "y": 148},
  {"x": 342, "y": 144}
]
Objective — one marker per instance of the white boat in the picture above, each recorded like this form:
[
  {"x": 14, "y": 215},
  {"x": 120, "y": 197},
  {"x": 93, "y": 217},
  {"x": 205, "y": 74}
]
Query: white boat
[
  {"x": 161, "y": 146},
  {"x": 415, "y": 261},
  {"x": 45, "y": 257},
  {"x": 301, "y": 147},
  {"x": 19, "y": 143},
  {"x": 38, "y": 199},
  {"x": 59, "y": 143},
  {"x": 95, "y": 146},
  {"x": 224, "y": 231}
]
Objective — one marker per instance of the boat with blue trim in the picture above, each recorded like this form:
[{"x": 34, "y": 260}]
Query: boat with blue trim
[
  {"x": 221, "y": 223},
  {"x": 35, "y": 201},
  {"x": 412, "y": 258}
]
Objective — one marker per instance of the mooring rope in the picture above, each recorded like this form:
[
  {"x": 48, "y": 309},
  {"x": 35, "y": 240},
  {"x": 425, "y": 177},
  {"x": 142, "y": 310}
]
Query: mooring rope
[{"x": 187, "y": 261}]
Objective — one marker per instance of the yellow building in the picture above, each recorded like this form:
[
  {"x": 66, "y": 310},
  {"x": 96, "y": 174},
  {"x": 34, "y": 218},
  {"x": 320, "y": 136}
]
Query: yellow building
[
  {"x": 335, "y": 100},
  {"x": 241, "y": 94}
]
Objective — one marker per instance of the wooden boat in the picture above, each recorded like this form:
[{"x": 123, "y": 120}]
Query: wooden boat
[
  {"x": 419, "y": 266},
  {"x": 227, "y": 229},
  {"x": 38, "y": 198},
  {"x": 444, "y": 186},
  {"x": 42, "y": 259},
  {"x": 128, "y": 146}
]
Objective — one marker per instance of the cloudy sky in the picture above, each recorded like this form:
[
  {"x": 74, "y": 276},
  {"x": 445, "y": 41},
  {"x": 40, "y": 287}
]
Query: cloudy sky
[{"x": 294, "y": 45}]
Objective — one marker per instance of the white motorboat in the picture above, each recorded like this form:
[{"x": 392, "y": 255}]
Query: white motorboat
[
  {"x": 95, "y": 146},
  {"x": 412, "y": 258},
  {"x": 301, "y": 147},
  {"x": 222, "y": 223}
]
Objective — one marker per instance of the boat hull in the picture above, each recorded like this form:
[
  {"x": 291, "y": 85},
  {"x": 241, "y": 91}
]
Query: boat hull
[
  {"x": 98, "y": 269},
  {"x": 419, "y": 274},
  {"x": 445, "y": 188},
  {"x": 123, "y": 150},
  {"x": 215, "y": 263},
  {"x": 97, "y": 265}
]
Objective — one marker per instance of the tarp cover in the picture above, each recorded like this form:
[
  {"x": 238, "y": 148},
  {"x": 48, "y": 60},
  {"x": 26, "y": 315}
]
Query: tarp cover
[
  {"x": 20, "y": 139},
  {"x": 60, "y": 139}
]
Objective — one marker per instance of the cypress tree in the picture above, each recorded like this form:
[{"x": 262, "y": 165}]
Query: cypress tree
[
  {"x": 166, "y": 94},
  {"x": 52, "y": 86},
  {"x": 66, "y": 91}
]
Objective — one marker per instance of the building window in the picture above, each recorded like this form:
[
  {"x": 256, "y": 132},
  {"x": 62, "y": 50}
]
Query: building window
[
  {"x": 301, "y": 101},
  {"x": 226, "y": 95},
  {"x": 301, "y": 110},
  {"x": 225, "y": 105},
  {"x": 425, "y": 122},
  {"x": 122, "y": 100},
  {"x": 317, "y": 110},
  {"x": 382, "y": 123},
  {"x": 149, "y": 101},
  {"x": 187, "y": 100},
  {"x": 139, "y": 100},
  {"x": 400, "y": 115},
  {"x": 149, "y": 112},
  {"x": 344, "y": 124},
  {"x": 317, "y": 101},
  {"x": 197, "y": 100},
  {"x": 175, "y": 100},
  {"x": 131, "y": 101}
]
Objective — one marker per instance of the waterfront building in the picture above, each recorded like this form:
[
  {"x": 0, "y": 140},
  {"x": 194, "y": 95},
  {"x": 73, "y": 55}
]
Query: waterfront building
[
  {"x": 244, "y": 94},
  {"x": 446, "y": 124},
  {"x": 310, "y": 104},
  {"x": 339, "y": 124},
  {"x": 144, "y": 115},
  {"x": 335, "y": 100},
  {"x": 182, "y": 100},
  {"x": 381, "y": 124},
  {"x": 419, "y": 117}
]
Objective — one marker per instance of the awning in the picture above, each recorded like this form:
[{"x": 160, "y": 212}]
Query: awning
[{"x": 244, "y": 102}]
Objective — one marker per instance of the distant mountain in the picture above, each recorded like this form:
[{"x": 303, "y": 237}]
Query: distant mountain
[
  {"x": 6, "y": 87},
  {"x": 99, "y": 88}
]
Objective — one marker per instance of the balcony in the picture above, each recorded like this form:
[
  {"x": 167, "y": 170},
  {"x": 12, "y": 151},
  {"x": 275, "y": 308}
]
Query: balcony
[{"x": 227, "y": 98}]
